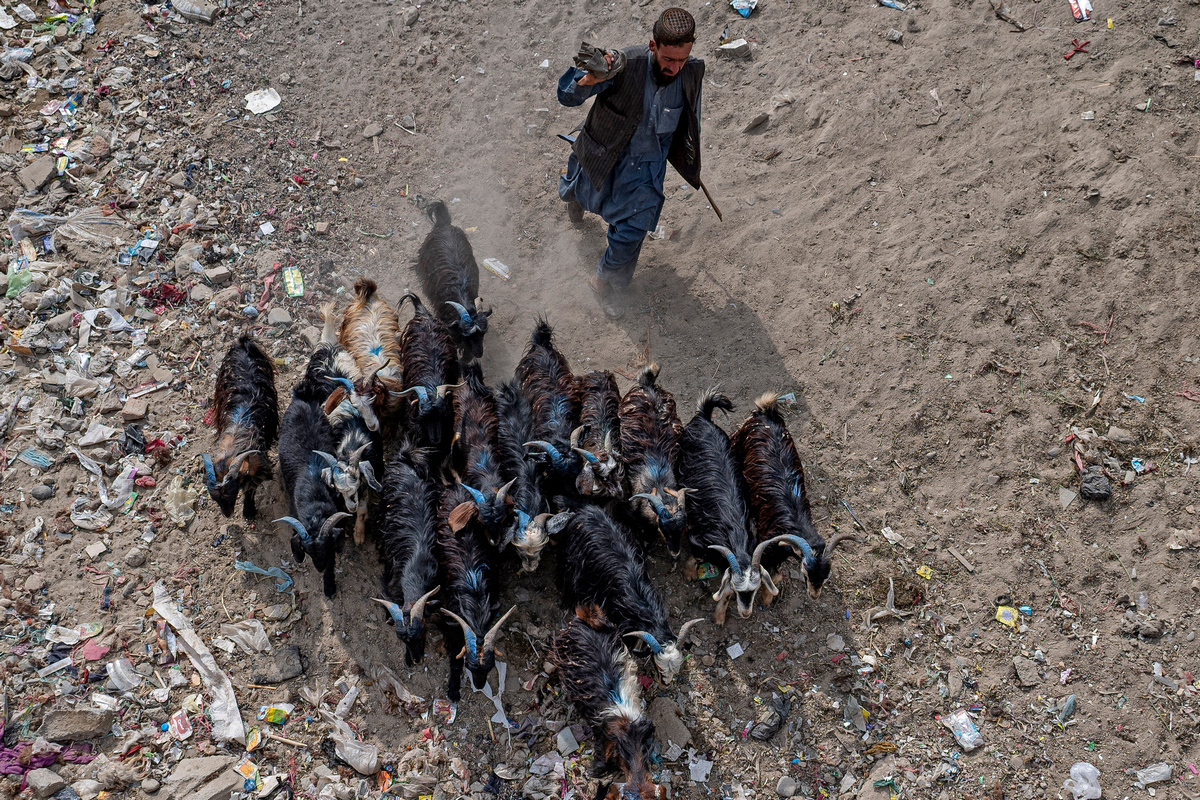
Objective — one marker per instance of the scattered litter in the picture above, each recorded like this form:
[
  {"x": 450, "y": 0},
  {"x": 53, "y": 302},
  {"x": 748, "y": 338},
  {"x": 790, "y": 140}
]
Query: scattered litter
[
  {"x": 1084, "y": 782},
  {"x": 1007, "y": 615},
  {"x": 965, "y": 733},
  {"x": 262, "y": 100},
  {"x": 1155, "y": 773},
  {"x": 743, "y": 7},
  {"x": 283, "y": 581},
  {"x": 734, "y": 650},
  {"x": 497, "y": 268}
]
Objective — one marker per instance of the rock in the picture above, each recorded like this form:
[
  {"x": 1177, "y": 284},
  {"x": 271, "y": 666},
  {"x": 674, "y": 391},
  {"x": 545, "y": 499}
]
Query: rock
[
  {"x": 110, "y": 403},
  {"x": 221, "y": 787},
  {"x": 282, "y": 665},
  {"x": 201, "y": 293},
  {"x": 35, "y": 583},
  {"x": 150, "y": 786},
  {"x": 44, "y": 782},
  {"x": 311, "y": 336},
  {"x": 228, "y": 296},
  {"x": 1094, "y": 486},
  {"x": 285, "y": 78},
  {"x": 835, "y": 643},
  {"x": 135, "y": 408},
  {"x": 69, "y": 725},
  {"x": 374, "y": 129},
  {"x": 61, "y": 322},
  {"x": 322, "y": 228},
  {"x": 1027, "y": 672},
  {"x": 42, "y": 492},
  {"x": 410, "y": 16},
  {"x": 135, "y": 557},
  {"x": 279, "y": 316},
  {"x": 37, "y": 174},
  {"x": 192, "y": 773},
  {"x": 667, "y": 723},
  {"x": 786, "y": 786},
  {"x": 178, "y": 180},
  {"x": 881, "y": 770},
  {"x": 100, "y": 148},
  {"x": 218, "y": 276},
  {"x": 1121, "y": 435},
  {"x": 757, "y": 123}
]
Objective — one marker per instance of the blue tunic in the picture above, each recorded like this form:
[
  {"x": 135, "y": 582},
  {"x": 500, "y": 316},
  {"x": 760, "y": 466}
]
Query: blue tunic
[{"x": 631, "y": 199}]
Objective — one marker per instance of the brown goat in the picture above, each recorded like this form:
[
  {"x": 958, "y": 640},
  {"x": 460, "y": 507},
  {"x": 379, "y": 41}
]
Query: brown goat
[{"x": 369, "y": 331}]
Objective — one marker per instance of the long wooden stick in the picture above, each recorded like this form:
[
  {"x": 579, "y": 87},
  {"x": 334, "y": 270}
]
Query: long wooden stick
[{"x": 711, "y": 202}]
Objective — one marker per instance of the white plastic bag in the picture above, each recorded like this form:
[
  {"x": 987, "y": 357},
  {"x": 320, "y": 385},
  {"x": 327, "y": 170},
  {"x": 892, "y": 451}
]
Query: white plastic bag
[{"x": 1084, "y": 782}]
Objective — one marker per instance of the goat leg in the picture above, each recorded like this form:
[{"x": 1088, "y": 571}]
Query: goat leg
[
  {"x": 329, "y": 582},
  {"x": 455, "y": 644},
  {"x": 360, "y": 524},
  {"x": 722, "y": 605},
  {"x": 249, "y": 509},
  {"x": 768, "y": 597}
]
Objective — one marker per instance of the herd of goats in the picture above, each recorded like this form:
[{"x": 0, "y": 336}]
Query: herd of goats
[{"x": 471, "y": 474}]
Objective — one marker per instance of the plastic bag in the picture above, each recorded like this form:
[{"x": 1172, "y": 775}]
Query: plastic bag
[
  {"x": 24, "y": 223},
  {"x": 248, "y": 634},
  {"x": 1084, "y": 782},
  {"x": 91, "y": 226},
  {"x": 360, "y": 755},
  {"x": 19, "y": 276},
  {"x": 123, "y": 675},
  {"x": 964, "y": 730},
  {"x": 13, "y": 62},
  {"x": 180, "y": 502}
]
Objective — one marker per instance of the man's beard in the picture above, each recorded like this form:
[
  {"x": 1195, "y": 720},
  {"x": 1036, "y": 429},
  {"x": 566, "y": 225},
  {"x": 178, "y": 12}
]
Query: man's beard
[{"x": 660, "y": 77}]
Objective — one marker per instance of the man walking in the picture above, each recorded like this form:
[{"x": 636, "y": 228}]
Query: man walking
[{"x": 647, "y": 113}]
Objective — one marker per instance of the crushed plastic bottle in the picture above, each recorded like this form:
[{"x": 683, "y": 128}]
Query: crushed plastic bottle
[{"x": 1084, "y": 782}]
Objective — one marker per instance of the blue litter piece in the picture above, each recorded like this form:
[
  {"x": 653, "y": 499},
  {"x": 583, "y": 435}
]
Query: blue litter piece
[{"x": 283, "y": 581}]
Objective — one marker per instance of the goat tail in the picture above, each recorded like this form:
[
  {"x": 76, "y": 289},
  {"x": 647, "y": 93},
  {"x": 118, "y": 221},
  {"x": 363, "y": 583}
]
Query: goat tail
[
  {"x": 255, "y": 352},
  {"x": 768, "y": 403},
  {"x": 543, "y": 335},
  {"x": 418, "y": 306},
  {"x": 438, "y": 214},
  {"x": 648, "y": 375},
  {"x": 710, "y": 400},
  {"x": 473, "y": 375},
  {"x": 329, "y": 331},
  {"x": 364, "y": 289}
]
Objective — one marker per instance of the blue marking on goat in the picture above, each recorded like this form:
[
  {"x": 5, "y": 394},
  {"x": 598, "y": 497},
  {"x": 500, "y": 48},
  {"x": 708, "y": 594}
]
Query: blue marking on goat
[
  {"x": 240, "y": 416},
  {"x": 657, "y": 470},
  {"x": 474, "y": 578},
  {"x": 483, "y": 460},
  {"x": 377, "y": 350}
]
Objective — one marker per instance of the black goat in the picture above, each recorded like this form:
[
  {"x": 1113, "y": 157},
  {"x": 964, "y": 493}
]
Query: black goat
[
  {"x": 450, "y": 277},
  {"x": 534, "y": 524},
  {"x": 477, "y": 455},
  {"x": 469, "y": 597},
  {"x": 600, "y": 564},
  {"x": 546, "y": 379},
  {"x": 774, "y": 476},
  {"x": 429, "y": 370},
  {"x": 716, "y": 508},
  {"x": 650, "y": 430},
  {"x": 246, "y": 410},
  {"x": 306, "y": 433},
  {"x": 597, "y": 440},
  {"x": 600, "y": 678},
  {"x": 408, "y": 548}
]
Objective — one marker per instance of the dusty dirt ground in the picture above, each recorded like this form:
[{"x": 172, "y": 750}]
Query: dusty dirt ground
[{"x": 951, "y": 286}]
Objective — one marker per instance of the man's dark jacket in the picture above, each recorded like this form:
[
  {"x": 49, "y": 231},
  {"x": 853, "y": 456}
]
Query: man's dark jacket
[{"x": 618, "y": 110}]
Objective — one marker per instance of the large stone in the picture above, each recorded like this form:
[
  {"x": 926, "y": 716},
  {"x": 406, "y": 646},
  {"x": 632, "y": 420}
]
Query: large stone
[
  {"x": 228, "y": 295},
  {"x": 786, "y": 786},
  {"x": 37, "y": 174},
  {"x": 1027, "y": 671},
  {"x": 883, "y": 768},
  {"x": 69, "y": 725},
  {"x": 373, "y": 129},
  {"x": 221, "y": 787},
  {"x": 279, "y": 316},
  {"x": 201, "y": 293},
  {"x": 135, "y": 408},
  {"x": 1121, "y": 435},
  {"x": 311, "y": 336},
  {"x": 218, "y": 276},
  {"x": 667, "y": 723},
  {"x": 282, "y": 665},
  {"x": 192, "y": 773},
  {"x": 44, "y": 782}
]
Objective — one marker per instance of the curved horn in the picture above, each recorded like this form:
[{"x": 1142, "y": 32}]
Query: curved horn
[
  {"x": 608, "y": 442},
  {"x": 649, "y": 639},
  {"x": 489, "y": 639},
  {"x": 502, "y": 492},
  {"x": 334, "y": 519},
  {"x": 464, "y": 316},
  {"x": 479, "y": 304},
  {"x": 656, "y": 501},
  {"x": 687, "y": 626},
  {"x": 550, "y": 449},
  {"x": 357, "y": 455},
  {"x": 445, "y": 387},
  {"x": 476, "y": 495},
  {"x": 587, "y": 456},
  {"x": 417, "y": 613},
  {"x": 576, "y": 435},
  {"x": 730, "y": 557},
  {"x": 296, "y": 524},
  {"x": 348, "y": 385},
  {"x": 680, "y": 497},
  {"x": 333, "y": 462},
  {"x": 472, "y": 643},
  {"x": 367, "y": 470},
  {"x": 395, "y": 611},
  {"x": 838, "y": 539},
  {"x": 210, "y": 473},
  {"x": 798, "y": 544},
  {"x": 522, "y": 525},
  {"x": 236, "y": 464},
  {"x": 422, "y": 393}
]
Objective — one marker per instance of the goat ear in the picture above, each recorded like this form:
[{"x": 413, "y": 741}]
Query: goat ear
[{"x": 460, "y": 516}]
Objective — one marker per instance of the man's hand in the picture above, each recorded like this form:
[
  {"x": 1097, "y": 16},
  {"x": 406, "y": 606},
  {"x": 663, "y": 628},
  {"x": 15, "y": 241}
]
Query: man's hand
[{"x": 589, "y": 79}]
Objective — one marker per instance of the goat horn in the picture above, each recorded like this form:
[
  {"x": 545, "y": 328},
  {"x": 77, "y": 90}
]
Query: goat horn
[
  {"x": 395, "y": 611},
  {"x": 798, "y": 544},
  {"x": 334, "y": 519},
  {"x": 417, "y": 612},
  {"x": 523, "y": 523},
  {"x": 687, "y": 626},
  {"x": 587, "y": 456},
  {"x": 464, "y": 316},
  {"x": 838, "y": 539},
  {"x": 656, "y": 501},
  {"x": 476, "y": 495},
  {"x": 472, "y": 642},
  {"x": 445, "y": 387},
  {"x": 608, "y": 442},
  {"x": 479, "y": 304},
  {"x": 680, "y": 497},
  {"x": 502, "y": 492},
  {"x": 333, "y": 462},
  {"x": 422, "y": 393},
  {"x": 367, "y": 470},
  {"x": 348, "y": 385},
  {"x": 730, "y": 557},
  {"x": 236, "y": 463},
  {"x": 576, "y": 435},
  {"x": 357, "y": 455},
  {"x": 489, "y": 639},
  {"x": 296, "y": 524},
  {"x": 550, "y": 449},
  {"x": 649, "y": 639},
  {"x": 210, "y": 473}
]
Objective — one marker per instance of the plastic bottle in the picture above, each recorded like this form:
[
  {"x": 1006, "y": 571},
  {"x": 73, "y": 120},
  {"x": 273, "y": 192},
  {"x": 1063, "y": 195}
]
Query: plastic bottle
[
  {"x": 196, "y": 12},
  {"x": 1084, "y": 782}
]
